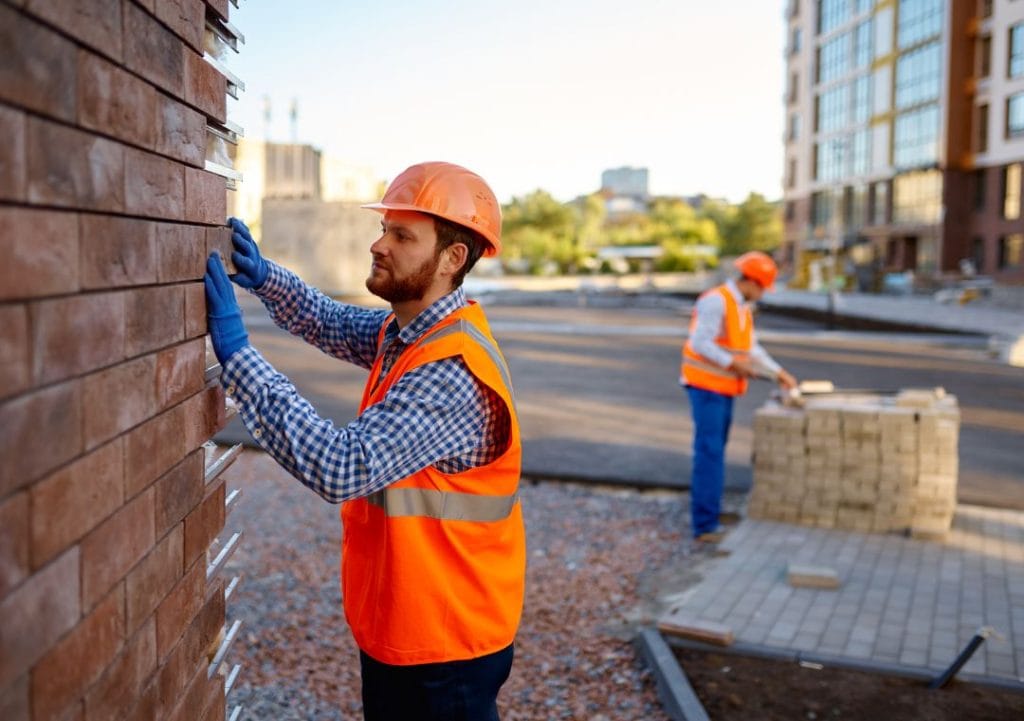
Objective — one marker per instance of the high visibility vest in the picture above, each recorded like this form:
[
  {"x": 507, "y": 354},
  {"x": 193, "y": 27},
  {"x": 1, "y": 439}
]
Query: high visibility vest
[
  {"x": 433, "y": 566},
  {"x": 735, "y": 336}
]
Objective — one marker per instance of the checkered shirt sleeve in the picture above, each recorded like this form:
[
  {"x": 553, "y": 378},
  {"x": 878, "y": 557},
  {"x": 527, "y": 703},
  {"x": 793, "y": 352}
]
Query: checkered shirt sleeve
[{"x": 438, "y": 414}]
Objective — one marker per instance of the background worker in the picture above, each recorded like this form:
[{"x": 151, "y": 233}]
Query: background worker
[
  {"x": 433, "y": 551},
  {"x": 719, "y": 356}
]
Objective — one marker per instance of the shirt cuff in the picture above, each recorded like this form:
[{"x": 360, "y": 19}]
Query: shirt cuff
[{"x": 275, "y": 285}]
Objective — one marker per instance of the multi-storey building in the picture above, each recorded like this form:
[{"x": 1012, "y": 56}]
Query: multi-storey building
[{"x": 905, "y": 136}]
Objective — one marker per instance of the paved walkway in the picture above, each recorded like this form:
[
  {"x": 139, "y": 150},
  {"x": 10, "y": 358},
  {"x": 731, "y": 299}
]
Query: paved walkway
[{"x": 903, "y": 602}]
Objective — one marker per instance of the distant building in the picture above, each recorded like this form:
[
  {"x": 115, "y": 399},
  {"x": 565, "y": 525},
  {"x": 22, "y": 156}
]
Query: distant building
[
  {"x": 626, "y": 181},
  {"x": 905, "y": 134}
]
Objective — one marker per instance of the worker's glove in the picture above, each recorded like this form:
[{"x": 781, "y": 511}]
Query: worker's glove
[
  {"x": 252, "y": 269},
  {"x": 227, "y": 332}
]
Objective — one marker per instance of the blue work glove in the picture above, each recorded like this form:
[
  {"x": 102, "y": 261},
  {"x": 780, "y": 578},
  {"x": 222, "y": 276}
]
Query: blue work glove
[
  {"x": 252, "y": 269},
  {"x": 224, "y": 317}
]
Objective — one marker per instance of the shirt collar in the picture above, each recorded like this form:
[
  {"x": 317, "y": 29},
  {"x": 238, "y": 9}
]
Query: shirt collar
[
  {"x": 428, "y": 318},
  {"x": 735, "y": 290}
]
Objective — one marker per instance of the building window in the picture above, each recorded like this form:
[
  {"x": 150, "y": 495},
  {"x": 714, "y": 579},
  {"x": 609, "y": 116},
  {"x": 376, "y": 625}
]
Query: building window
[
  {"x": 1016, "y": 66},
  {"x": 1011, "y": 191},
  {"x": 978, "y": 254},
  {"x": 832, "y": 109},
  {"x": 916, "y": 141},
  {"x": 879, "y": 203},
  {"x": 790, "y": 212},
  {"x": 821, "y": 209},
  {"x": 794, "y": 80},
  {"x": 983, "y": 128},
  {"x": 862, "y": 45},
  {"x": 1011, "y": 251},
  {"x": 980, "y": 180},
  {"x": 795, "y": 41},
  {"x": 918, "y": 76},
  {"x": 984, "y": 59},
  {"x": 794, "y": 127},
  {"x": 985, "y": 8},
  {"x": 834, "y": 58},
  {"x": 861, "y": 99},
  {"x": 830, "y": 159},
  {"x": 1015, "y": 115},
  {"x": 918, "y": 20},
  {"x": 832, "y": 14},
  {"x": 791, "y": 173},
  {"x": 860, "y": 152},
  {"x": 917, "y": 198}
]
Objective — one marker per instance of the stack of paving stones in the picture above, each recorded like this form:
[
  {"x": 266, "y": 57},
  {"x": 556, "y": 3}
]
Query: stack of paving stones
[{"x": 860, "y": 461}]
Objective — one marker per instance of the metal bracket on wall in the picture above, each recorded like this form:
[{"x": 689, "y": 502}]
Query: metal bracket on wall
[
  {"x": 220, "y": 463},
  {"x": 222, "y": 651},
  {"x": 231, "y": 587},
  {"x": 224, "y": 30},
  {"x": 233, "y": 176},
  {"x": 235, "y": 84},
  {"x": 236, "y": 714},
  {"x": 222, "y": 558},
  {"x": 227, "y": 131}
]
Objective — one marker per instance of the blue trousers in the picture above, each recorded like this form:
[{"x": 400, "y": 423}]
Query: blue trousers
[
  {"x": 712, "y": 416},
  {"x": 450, "y": 691}
]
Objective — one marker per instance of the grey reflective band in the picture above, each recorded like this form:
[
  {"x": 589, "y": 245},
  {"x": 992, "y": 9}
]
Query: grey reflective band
[
  {"x": 443, "y": 505},
  {"x": 463, "y": 326}
]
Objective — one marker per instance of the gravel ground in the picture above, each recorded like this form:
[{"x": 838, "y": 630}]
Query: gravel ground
[{"x": 602, "y": 562}]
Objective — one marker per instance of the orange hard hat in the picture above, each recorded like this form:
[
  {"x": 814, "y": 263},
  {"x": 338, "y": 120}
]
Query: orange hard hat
[
  {"x": 450, "y": 192},
  {"x": 759, "y": 267}
]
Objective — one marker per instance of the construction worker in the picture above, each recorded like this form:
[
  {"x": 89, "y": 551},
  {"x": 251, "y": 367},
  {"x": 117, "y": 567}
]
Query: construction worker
[
  {"x": 433, "y": 551},
  {"x": 719, "y": 356}
]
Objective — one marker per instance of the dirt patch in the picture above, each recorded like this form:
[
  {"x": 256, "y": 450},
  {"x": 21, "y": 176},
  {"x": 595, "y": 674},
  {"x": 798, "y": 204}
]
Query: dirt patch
[{"x": 732, "y": 688}]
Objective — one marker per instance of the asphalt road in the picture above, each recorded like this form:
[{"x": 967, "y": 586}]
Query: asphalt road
[{"x": 597, "y": 393}]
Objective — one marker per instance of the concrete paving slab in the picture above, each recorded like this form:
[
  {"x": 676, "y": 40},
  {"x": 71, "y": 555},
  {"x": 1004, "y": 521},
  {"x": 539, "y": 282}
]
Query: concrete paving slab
[{"x": 903, "y": 601}]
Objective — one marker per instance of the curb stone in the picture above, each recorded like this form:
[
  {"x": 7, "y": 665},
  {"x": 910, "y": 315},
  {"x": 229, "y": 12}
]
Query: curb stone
[{"x": 675, "y": 692}]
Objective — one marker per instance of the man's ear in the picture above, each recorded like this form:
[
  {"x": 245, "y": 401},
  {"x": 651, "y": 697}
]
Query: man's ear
[{"x": 455, "y": 256}]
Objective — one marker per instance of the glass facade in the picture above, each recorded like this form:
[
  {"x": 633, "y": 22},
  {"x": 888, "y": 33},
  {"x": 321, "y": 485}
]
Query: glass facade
[
  {"x": 918, "y": 20},
  {"x": 1011, "y": 250},
  {"x": 1011, "y": 191},
  {"x": 833, "y": 109},
  {"x": 834, "y": 58},
  {"x": 1015, "y": 115},
  {"x": 1016, "y": 67},
  {"x": 916, "y": 140},
  {"x": 917, "y": 198},
  {"x": 832, "y": 14},
  {"x": 918, "y": 76}
]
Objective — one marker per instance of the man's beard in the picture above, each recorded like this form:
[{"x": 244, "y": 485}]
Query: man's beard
[{"x": 401, "y": 290}]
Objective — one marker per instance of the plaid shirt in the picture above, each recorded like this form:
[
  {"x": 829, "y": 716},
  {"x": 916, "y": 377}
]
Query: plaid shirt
[{"x": 438, "y": 414}]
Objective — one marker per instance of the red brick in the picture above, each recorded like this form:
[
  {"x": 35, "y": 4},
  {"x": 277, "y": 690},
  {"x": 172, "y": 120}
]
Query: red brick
[
  {"x": 37, "y": 66},
  {"x": 182, "y": 252},
  {"x": 117, "y": 399},
  {"x": 154, "y": 186},
  {"x": 180, "y": 372},
  {"x": 204, "y": 523},
  {"x": 76, "y": 499},
  {"x": 40, "y": 252},
  {"x": 117, "y": 545},
  {"x": 153, "y": 448},
  {"x": 195, "y": 310},
  {"x": 205, "y": 87},
  {"x": 186, "y": 18},
  {"x": 181, "y": 131},
  {"x": 155, "y": 318},
  {"x": 148, "y": 705},
  {"x": 60, "y": 329},
  {"x": 74, "y": 664},
  {"x": 116, "y": 252},
  {"x": 14, "y": 542},
  {"x": 14, "y": 701},
  {"x": 115, "y": 102},
  {"x": 216, "y": 704},
  {"x": 71, "y": 168},
  {"x": 37, "y": 614},
  {"x": 218, "y": 240},
  {"x": 26, "y": 453},
  {"x": 190, "y": 651},
  {"x": 182, "y": 605},
  {"x": 206, "y": 198},
  {"x": 15, "y": 350},
  {"x": 116, "y": 691},
  {"x": 179, "y": 491},
  {"x": 150, "y": 582},
  {"x": 153, "y": 51},
  {"x": 196, "y": 699},
  {"x": 204, "y": 415},
  {"x": 12, "y": 154},
  {"x": 96, "y": 23}
]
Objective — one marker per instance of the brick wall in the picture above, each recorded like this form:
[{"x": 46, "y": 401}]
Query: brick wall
[{"x": 106, "y": 218}]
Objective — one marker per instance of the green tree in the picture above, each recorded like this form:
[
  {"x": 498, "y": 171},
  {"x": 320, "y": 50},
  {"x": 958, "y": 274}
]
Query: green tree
[
  {"x": 756, "y": 224},
  {"x": 537, "y": 228}
]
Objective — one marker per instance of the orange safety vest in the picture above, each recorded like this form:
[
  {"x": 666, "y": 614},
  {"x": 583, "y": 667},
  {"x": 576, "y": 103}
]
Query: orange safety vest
[
  {"x": 735, "y": 336},
  {"x": 434, "y": 565}
]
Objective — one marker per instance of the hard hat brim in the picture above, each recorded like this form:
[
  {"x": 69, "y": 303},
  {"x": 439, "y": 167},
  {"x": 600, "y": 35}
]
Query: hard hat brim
[{"x": 381, "y": 207}]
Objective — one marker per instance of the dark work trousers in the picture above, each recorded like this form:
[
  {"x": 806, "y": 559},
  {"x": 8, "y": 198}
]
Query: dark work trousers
[
  {"x": 449, "y": 691},
  {"x": 712, "y": 416}
]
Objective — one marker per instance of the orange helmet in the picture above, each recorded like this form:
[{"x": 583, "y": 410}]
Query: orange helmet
[
  {"x": 759, "y": 267},
  {"x": 450, "y": 192}
]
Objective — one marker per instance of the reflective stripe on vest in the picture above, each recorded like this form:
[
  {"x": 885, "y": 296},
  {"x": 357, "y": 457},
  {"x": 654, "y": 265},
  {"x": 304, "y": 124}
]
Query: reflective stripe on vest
[
  {"x": 464, "y": 326},
  {"x": 442, "y": 505}
]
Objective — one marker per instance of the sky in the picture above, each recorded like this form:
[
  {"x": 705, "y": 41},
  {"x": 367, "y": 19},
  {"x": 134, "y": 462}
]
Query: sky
[{"x": 529, "y": 94}]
